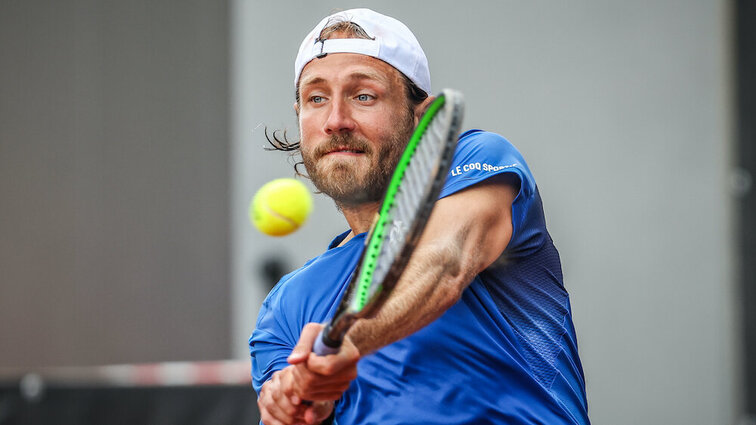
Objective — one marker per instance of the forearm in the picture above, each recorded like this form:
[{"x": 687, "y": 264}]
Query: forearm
[
  {"x": 465, "y": 234},
  {"x": 432, "y": 282}
]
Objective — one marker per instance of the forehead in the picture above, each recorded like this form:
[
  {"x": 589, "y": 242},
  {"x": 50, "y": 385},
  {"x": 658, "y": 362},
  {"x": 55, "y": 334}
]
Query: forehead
[{"x": 344, "y": 67}]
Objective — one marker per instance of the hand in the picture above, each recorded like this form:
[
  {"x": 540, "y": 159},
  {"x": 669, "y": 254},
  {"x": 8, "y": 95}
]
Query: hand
[
  {"x": 278, "y": 405},
  {"x": 322, "y": 378}
]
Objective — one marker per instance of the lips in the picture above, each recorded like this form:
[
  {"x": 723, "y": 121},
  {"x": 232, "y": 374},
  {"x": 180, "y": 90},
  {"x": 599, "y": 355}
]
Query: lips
[
  {"x": 345, "y": 149},
  {"x": 345, "y": 144}
]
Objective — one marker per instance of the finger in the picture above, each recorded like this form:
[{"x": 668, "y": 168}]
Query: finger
[
  {"x": 269, "y": 413},
  {"x": 276, "y": 402},
  {"x": 269, "y": 419},
  {"x": 305, "y": 378},
  {"x": 305, "y": 383},
  {"x": 310, "y": 386},
  {"x": 333, "y": 370},
  {"x": 291, "y": 388},
  {"x": 282, "y": 407},
  {"x": 326, "y": 396},
  {"x": 332, "y": 364},
  {"x": 332, "y": 392},
  {"x": 281, "y": 410},
  {"x": 304, "y": 345}
]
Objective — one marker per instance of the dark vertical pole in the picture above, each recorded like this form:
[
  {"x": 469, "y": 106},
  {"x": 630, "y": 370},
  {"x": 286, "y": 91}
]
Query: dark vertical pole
[{"x": 746, "y": 161}]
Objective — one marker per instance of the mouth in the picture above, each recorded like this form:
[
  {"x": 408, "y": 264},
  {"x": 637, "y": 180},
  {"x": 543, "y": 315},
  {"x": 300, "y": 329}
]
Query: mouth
[{"x": 345, "y": 150}]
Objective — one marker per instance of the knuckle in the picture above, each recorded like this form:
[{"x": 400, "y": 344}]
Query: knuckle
[
  {"x": 290, "y": 410},
  {"x": 308, "y": 380},
  {"x": 265, "y": 416},
  {"x": 266, "y": 404},
  {"x": 312, "y": 327},
  {"x": 285, "y": 392},
  {"x": 329, "y": 369},
  {"x": 282, "y": 392}
]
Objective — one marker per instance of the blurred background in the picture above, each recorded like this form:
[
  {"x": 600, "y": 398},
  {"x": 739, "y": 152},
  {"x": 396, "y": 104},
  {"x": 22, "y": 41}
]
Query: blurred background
[{"x": 132, "y": 140}]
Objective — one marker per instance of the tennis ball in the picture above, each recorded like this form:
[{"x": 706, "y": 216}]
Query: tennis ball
[{"x": 280, "y": 207}]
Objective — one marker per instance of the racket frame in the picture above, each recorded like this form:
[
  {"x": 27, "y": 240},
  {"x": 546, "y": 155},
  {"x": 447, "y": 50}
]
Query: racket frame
[{"x": 371, "y": 294}]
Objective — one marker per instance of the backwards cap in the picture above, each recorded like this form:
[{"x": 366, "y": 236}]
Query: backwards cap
[{"x": 392, "y": 43}]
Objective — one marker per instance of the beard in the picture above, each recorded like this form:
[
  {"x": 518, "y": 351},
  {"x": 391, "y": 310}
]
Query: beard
[{"x": 350, "y": 185}]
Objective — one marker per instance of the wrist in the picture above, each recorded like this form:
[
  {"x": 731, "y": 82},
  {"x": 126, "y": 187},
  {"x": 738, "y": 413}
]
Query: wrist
[{"x": 355, "y": 346}]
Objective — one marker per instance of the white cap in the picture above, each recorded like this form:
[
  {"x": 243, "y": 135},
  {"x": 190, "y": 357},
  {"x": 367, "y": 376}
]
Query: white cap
[{"x": 392, "y": 43}]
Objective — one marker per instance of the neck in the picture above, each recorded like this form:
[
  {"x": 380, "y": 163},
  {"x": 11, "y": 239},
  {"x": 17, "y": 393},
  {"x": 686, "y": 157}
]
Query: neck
[{"x": 360, "y": 218}]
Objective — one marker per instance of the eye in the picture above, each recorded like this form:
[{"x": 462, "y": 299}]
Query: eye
[
  {"x": 364, "y": 97},
  {"x": 317, "y": 99}
]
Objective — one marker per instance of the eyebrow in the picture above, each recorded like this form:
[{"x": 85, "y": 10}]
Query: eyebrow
[
  {"x": 308, "y": 81},
  {"x": 360, "y": 75},
  {"x": 366, "y": 75}
]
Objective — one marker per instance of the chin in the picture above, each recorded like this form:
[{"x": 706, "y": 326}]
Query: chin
[{"x": 342, "y": 171}]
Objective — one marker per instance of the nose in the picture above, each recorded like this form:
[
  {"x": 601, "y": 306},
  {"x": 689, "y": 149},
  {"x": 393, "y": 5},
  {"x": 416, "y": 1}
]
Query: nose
[{"x": 339, "y": 118}]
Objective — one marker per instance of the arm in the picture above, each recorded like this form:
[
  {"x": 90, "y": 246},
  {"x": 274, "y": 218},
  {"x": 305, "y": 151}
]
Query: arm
[{"x": 466, "y": 233}]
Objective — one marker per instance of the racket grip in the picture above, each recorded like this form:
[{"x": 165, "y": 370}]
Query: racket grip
[{"x": 324, "y": 345}]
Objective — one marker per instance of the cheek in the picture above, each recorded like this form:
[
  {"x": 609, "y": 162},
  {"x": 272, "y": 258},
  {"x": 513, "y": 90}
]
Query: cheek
[
  {"x": 306, "y": 135},
  {"x": 310, "y": 122},
  {"x": 305, "y": 126},
  {"x": 306, "y": 146},
  {"x": 378, "y": 126}
]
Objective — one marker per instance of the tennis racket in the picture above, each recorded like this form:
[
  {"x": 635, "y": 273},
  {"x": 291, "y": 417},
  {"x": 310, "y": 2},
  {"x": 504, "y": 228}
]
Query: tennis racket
[{"x": 411, "y": 194}]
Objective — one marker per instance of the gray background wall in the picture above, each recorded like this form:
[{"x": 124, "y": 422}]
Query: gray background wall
[
  {"x": 131, "y": 140},
  {"x": 623, "y": 111},
  {"x": 113, "y": 182},
  {"x": 746, "y": 161}
]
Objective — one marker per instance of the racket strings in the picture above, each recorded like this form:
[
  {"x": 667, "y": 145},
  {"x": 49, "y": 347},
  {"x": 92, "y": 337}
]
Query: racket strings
[
  {"x": 410, "y": 197},
  {"x": 414, "y": 188}
]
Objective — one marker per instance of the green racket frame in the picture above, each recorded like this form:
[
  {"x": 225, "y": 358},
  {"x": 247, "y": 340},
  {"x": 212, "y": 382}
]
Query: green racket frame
[{"x": 364, "y": 295}]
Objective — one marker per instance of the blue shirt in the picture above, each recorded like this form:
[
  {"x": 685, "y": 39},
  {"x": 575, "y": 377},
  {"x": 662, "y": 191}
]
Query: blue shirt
[{"x": 506, "y": 352}]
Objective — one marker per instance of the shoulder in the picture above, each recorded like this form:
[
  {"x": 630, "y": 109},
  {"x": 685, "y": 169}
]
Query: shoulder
[
  {"x": 481, "y": 136},
  {"x": 479, "y": 139},
  {"x": 307, "y": 294},
  {"x": 295, "y": 287},
  {"x": 295, "y": 281},
  {"x": 481, "y": 155}
]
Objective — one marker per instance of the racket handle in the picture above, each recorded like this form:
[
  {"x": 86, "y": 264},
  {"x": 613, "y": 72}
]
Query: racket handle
[{"x": 324, "y": 345}]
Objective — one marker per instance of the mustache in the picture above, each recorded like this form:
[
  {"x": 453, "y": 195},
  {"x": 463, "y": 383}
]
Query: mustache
[{"x": 343, "y": 142}]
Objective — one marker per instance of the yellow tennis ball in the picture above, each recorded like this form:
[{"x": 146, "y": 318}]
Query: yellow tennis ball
[{"x": 280, "y": 207}]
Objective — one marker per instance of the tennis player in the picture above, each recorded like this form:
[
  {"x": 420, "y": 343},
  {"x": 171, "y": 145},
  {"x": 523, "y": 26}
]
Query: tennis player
[{"x": 479, "y": 327}]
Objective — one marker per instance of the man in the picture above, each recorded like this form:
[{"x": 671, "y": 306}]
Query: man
[{"x": 478, "y": 329}]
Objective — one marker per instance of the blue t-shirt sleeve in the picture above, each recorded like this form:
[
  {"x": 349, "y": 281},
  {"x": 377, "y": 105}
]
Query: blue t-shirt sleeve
[
  {"x": 481, "y": 155},
  {"x": 309, "y": 294},
  {"x": 270, "y": 343}
]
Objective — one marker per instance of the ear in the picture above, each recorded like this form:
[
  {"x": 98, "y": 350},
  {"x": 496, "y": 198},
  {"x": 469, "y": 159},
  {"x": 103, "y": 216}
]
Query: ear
[
  {"x": 296, "y": 108},
  {"x": 422, "y": 107}
]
